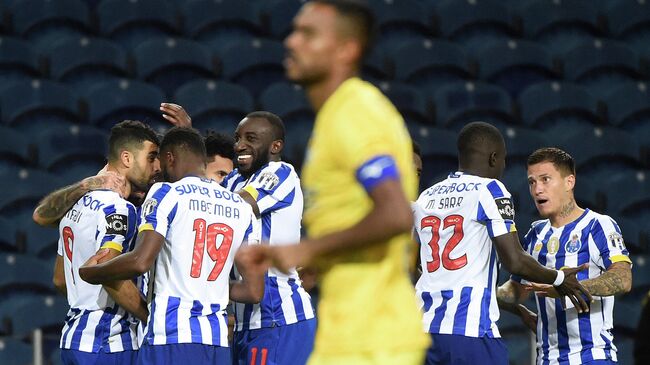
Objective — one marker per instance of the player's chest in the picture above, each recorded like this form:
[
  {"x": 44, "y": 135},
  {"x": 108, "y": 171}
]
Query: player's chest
[{"x": 562, "y": 249}]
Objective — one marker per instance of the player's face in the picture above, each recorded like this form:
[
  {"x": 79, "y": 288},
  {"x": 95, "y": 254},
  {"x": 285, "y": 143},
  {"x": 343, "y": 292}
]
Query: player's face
[
  {"x": 145, "y": 167},
  {"x": 253, "y": 139},
  {"x": 218, "y": 168},
  {"x": 312, "y": 44},
  {"x": 549, "y": 189}
]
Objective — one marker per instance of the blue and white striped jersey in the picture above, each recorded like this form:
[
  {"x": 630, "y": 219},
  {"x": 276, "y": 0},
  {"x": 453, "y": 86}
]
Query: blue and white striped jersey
[
  {"x": 99, "y": 219},
  {"x": 455, "y": 221},
  {"x": 204, "y": 225},
  {"x": 276, "y": 187},
  {"x": 564, "y": 336}
]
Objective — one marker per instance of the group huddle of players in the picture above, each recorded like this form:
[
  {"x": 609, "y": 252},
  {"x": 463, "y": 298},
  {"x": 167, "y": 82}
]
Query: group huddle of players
[{"x": 153, "y": 249}]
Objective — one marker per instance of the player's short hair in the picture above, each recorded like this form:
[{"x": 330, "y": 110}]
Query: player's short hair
[
  {"x": 185, "y": 139},
  {"x": 277, "y": 126},
  {"x": 360, "y": 13},
  {"x": 561, "y": 159},
  {"x": 477, "y": 134},
  {"x": 219, "y": 144},
  {"x": 416, "y": 149},
  {"x": 129, "y": 135}
]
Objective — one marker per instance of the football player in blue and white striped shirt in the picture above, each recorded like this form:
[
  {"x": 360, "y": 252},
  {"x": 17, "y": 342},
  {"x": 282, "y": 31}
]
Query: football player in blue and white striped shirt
[
  {"x": 191, "y": 230},
  {"x": 463, "y": 223},
  {"x": 99, "y": 327},
  {"x": 281, "y": 329},
  {"x": 570, "y": 236}
]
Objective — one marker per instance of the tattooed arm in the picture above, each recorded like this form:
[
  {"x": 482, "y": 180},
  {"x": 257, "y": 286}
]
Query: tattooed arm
[
  {"x": 616, "y": 280},
  {"x": 54, "y": 206}
]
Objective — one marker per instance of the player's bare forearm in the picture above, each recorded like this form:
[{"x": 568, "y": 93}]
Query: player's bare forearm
[
  {"x": 510, "y": 295},
  {"x": 250, "y": 289},
  {"x": 616, "y": 280},
  {"x": 58, "y": 278},
  {"x": 248, "y": 198},
  {"x": 54, "y": 206},
  {"x": 390, "y": 216},
  {"x": 518, "y": 262},
  {"x": 125, "y": 266},
  {"x": 244, "y": 292},
  {"x": 127, "y": 296}
]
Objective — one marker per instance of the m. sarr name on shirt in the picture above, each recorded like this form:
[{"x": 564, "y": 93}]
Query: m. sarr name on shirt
[
  {"x": 213, "y": 208},
  {"x": 445, "y": 203},
  {"x": 202, "y": 190},
  {"x": 453, "y": 188}
]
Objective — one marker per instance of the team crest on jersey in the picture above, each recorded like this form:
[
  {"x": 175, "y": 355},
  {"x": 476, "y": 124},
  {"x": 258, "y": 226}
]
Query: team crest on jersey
[
  {"x": 553, "y": 245},
  {"x": 616, "y": 241},
  {"x": 116, "y": 224},
  {"x": 149, "y": 206},
  {"x": 537, "y": 247},
  {"x": 268, "y": 180},
  {"x": 573, "y": 245}
]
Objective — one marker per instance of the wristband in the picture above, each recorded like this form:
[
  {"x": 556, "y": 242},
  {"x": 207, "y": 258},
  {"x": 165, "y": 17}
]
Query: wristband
[{"x": 559, "y": 279}]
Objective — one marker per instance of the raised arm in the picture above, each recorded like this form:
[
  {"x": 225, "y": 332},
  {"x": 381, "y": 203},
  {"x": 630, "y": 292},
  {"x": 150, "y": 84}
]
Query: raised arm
[{"x": 54, "y": 206}]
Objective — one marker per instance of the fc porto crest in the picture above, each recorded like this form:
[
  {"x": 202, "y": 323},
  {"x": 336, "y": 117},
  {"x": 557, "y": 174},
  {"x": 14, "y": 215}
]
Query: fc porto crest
[
  {"x": 574, "y": 244},
  {"x": 553, "y": 245}
]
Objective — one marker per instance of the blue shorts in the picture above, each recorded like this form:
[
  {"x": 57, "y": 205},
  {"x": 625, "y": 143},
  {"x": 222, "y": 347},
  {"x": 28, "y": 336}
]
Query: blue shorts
[
  {"x": 463, "y": 350},
  {"x": 284, "y": 345},
  {"x": 76, "y": 357},
  {"x": 184, "y": 353}
]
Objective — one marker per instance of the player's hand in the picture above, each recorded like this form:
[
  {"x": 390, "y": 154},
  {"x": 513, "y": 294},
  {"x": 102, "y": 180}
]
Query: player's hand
[
  {"x": 286, "y": 258},
  {"x": 94, "y": 259},
  {"x": 253, "y": 260},
  {"x": 542, "y": 290},
  {"x": 176, "y": 115},
  {"x": 571, "y": 287},
  {"x": 107, "y": 180},
  {"x": 528, "y": 317}
]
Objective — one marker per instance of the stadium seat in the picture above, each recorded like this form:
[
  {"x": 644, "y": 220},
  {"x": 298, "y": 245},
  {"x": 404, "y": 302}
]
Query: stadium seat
[
  {"x": 45, "y": 312},
  {"x": 131, "y": 22},
  {"x": 600, "y": 152},
  {"x": 408, "y": 100},
  {"x": 15, "y": 149},
  {"x": 601, "y": 65},
  {"x": 460, "y": 103},
  {"x": 518, "y": 65},
  {"x": 62, "y": 148},
  {"x": 277, "y": 16},
  {"x": 376, "y": 66},
  {"x": 430, "y": 64},
  {"x": 400, "y": 21},
  {"x": 25, "y": 187},
  {"x": 521, "y": 142},
  {"x": 297, "y": 136},
  {"x": 625, "y": 192},
  {"x": 438, "y": 149},
  {"x": 23, "y": 273},
  {"x": 634, "y": 235},
  {"x": 550, "y": 104},
  {"x": 640, "y": 273},
  {"x": 287, "y": 101},
  {"x": 46, "y": 22},
  {"x": 217, "y": 23},
  {"x": 15, "y": 352},
  {"x": 473, "y": 22},
  {"x": 171, "y": 63},
  {"x": 83, "y": 61},
  {"x": 630, "y": 21},
  {"x": 560, "y": 25},
  {"x": 33, "y": 105},
  {"x": 18, "y": 61},
  {"x": 217, "y": 105},
  {"x": 113, "y": 101},
  {"x": 9, "y": 238},
  {"x": 254, "y": 65}
]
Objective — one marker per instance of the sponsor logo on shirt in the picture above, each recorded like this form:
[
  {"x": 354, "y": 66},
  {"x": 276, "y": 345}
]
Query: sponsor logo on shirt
[{"x": 116, "y": 224}]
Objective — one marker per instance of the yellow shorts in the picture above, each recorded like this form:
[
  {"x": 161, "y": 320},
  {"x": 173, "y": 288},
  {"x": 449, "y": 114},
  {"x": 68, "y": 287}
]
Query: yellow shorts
[{"x": 376, "y": 358}]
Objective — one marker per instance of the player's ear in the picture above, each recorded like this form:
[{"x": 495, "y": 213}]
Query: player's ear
[
  {"x": 492, "y": 160},
  {"x": 277, "y": 146},
  {"x": 570, "y": 182},
  {"x": 127, "y": 158}
]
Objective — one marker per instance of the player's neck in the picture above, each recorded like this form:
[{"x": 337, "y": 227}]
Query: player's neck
[
  {"x": 111, "y": 168},
  {"x": 569, "y": 212},
  {"x": 318, "y": 93}
]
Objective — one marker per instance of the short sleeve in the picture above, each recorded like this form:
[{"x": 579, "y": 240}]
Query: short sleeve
[
  {"x": 159, "y": 209},
  {"x": 274, "y": 187},
  {"x": 118, "y": 225},
  {"x": 495, "y": 209},
  {"x": 608, "y": 238}
]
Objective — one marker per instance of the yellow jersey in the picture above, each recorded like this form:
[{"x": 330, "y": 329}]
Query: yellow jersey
[{"x": 367, "y": 301}]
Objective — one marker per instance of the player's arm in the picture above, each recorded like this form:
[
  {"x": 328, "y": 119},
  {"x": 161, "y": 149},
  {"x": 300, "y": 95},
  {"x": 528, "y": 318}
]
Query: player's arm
[
  {"x": 248, "y": 198},
  {"x": 124, "y": 292},
  {"x": 58, "y": 277},
  {"x": 510, "y": 296},
  {"x": 616, "y": 280},
  {"x": 124, "y": 266},
  {"x": 250, "y": 289},
  {"x": 54, "y": 206}
]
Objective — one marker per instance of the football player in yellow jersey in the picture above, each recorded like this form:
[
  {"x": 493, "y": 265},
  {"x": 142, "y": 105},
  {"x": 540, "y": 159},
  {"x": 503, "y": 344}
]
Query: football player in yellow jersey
[{"x": 358, "y": 180}]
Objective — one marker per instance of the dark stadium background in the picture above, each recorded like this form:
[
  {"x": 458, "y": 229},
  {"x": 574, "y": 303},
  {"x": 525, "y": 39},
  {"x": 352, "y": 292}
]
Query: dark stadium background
[{"x": 569, "y": 73}]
